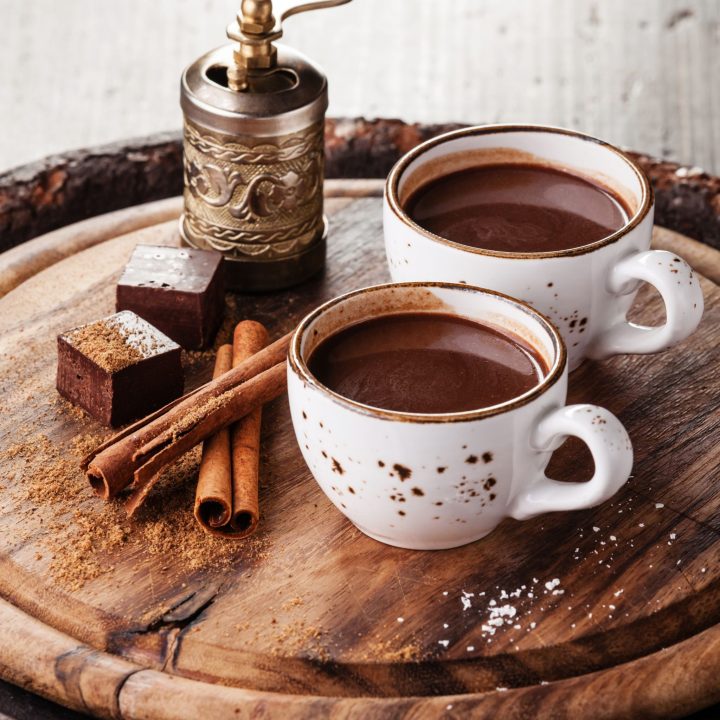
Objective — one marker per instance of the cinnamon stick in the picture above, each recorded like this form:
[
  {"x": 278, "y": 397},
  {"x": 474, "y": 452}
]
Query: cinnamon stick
[
  {"x": 226, "y": 500},
  {"x": 213, "y": 497},
  {"x": 249, "y": 338},
  {"x": 138, "y": 454}
]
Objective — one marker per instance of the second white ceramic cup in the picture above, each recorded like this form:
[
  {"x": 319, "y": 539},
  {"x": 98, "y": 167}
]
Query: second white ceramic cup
[
  {"x": 432, "y": 481},
  {"x": 586, "y": 291}
]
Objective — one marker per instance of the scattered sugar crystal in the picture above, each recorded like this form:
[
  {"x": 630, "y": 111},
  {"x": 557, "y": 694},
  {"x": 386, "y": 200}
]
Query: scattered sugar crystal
[
  {"x": 446, "y": 626},
  {"x": 596, "y": 528},
  {"x": 641, "y": 525},
  {"x": 470, "y": 648},
  {"x": 444, "y": 643},
  {"x": 501, "y": 689},
  {"x": 659, "y": 505},
  {"x": 551, "y": 584},
  {"x": 673, "y": 536},
  {"x": 466, "y": 603},
  {"x": 613, "y": 538},
  {"x": 401, "y": 619}
]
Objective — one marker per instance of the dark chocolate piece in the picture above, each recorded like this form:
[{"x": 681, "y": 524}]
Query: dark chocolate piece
[
  {"x": 118, "y": 369},
  {"x": 180, "y": 291}
]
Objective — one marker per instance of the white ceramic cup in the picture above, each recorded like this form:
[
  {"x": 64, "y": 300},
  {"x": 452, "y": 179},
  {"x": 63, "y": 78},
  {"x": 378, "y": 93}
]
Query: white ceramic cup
[
  {"x": 586, "y": 291},
  {"x": 432, "y": 481}
]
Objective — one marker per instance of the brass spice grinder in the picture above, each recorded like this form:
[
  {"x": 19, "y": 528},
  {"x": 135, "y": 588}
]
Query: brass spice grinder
[{"x": 253, "y": 147}]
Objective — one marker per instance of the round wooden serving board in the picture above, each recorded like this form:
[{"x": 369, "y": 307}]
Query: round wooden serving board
[{"x": 609, "y": 612}]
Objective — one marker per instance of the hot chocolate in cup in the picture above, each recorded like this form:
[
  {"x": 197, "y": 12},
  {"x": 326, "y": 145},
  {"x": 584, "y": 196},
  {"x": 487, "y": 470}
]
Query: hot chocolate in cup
[
  {"x": 583, "y": 275},
  {"x": 444, "y": 478}
]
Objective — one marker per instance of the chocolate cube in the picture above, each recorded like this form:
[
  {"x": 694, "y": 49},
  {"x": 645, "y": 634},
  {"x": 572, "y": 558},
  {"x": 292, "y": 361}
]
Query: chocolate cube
[
  {"x": 179, "y": 290},
  {"x": 118, "y": 369}
]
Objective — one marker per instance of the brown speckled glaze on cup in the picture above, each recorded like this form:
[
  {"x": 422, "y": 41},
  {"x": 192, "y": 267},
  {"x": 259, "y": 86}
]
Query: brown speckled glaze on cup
[
  {"x": 587, "y": 290},
  {"x": 426, "y": 481}
]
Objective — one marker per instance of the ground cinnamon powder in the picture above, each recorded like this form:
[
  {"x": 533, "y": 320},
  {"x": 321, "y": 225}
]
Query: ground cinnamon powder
[
  {"x": 83, "y": 533},
  {"x": 105, "y": 345}
]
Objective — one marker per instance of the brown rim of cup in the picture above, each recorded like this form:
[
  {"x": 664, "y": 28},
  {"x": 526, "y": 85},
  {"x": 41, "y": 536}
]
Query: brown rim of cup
[
  {"x": 298, "y": 365},
  {"x": 393, "y": 181}
]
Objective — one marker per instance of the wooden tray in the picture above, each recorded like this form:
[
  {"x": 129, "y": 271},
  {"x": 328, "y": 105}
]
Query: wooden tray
[{"x": 311, "y": 618}]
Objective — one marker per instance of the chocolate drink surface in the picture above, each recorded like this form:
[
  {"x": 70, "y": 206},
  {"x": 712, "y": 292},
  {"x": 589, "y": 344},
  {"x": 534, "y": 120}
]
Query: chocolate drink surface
[
  {"x": 517, "y": 208},
  {"x": 426, "y": 363}
]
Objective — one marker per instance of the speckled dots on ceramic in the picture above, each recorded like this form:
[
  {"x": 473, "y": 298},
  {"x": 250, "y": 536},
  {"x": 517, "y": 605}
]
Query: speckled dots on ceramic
[
  {"x": 586, "y": 291},
  {"x": 439, "y": 481}
]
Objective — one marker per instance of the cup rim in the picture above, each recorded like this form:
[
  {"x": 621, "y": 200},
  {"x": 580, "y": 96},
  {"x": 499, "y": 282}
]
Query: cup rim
[
  {"x": 298, "y": 365},
  {"x": 393, "y": 181}
]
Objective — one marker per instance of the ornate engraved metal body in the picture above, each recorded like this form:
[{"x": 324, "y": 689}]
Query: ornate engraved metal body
[{"x": 253, "y": 198}]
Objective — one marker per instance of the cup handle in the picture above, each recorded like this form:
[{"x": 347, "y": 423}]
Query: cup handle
[
  {"x": 680, "y": 290},
  {"x": 611, "y": 450}
]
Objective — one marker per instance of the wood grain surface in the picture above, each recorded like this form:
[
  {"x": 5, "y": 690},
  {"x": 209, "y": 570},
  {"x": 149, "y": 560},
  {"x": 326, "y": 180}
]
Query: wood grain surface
[
  {"x": 641, "y": 73},
  {"x": 314, "y": 618}
]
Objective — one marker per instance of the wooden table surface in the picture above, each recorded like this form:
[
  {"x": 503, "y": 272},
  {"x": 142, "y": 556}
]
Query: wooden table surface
[{"x": 642, "y": 74}]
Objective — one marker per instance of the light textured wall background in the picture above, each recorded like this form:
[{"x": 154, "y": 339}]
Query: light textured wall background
[{"x": 641, "y": 73}]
